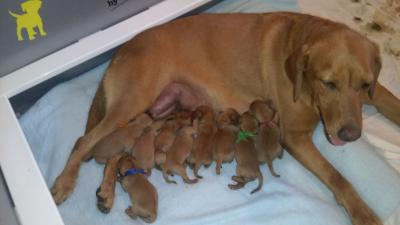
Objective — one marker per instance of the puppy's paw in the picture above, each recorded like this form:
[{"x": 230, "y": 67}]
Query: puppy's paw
[
  {"x": 104, "y": 201},
  {"x": 130, "y": 213},
  {"x": 62, "y": 188}
]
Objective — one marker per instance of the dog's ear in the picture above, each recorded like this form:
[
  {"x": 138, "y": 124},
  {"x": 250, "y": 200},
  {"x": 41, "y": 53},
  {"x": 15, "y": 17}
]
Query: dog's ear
[
  {"x": 295, "y": 66},
  {"x": 376, "y": 68}
]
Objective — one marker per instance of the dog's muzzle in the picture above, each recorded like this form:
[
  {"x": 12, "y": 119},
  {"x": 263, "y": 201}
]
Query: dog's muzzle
[{"x": 349, "y": 133}]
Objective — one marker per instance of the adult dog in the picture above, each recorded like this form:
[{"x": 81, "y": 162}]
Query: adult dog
[{"x": 311, "y": 68}]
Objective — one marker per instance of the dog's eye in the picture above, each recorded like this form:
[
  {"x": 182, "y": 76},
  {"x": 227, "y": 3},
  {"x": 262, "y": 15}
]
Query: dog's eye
[
  {"x": 330, "y": 84},
  {"x": 365, "y": 86}
]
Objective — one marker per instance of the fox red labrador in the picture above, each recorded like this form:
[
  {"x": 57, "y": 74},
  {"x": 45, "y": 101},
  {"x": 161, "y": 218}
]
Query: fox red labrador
[{"x": 311, "y": 68}]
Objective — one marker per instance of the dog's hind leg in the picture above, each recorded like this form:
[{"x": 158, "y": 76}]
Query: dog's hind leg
[
  {"x": 97, "y": 109},
  {"x": 65, "y": 182},
  {"x": 106, "y": 192},
  {"x": 121, "y": 113}
]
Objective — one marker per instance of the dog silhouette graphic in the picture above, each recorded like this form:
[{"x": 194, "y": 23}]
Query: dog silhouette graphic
[{"x": 30, "y": 20}]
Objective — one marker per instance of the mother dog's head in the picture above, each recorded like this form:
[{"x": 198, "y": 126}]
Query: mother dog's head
[{"x": 334, "y": 72}]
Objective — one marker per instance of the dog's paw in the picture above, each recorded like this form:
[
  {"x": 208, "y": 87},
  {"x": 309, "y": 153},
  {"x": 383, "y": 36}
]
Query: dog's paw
[
  {"x": 365, "y": 217},
  {"x": 62, "y": 188},
  {"x": 104, "y": 201}
]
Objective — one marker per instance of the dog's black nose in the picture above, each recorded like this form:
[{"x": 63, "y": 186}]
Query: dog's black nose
[{"x": 349, "y": 133}]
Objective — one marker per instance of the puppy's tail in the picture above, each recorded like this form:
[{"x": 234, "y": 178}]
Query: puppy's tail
[
  {"x": 165, "y": 175},
  {"x": 196, "y": 170},
  {"x": 271, "y": 169},
  {"x": 260, "y": 183},
  {"x": 218, "y": 166},
  {"x": 14, "y": 14}
]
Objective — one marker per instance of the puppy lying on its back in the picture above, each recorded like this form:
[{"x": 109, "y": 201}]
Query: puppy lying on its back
[
  {"x": 247, "y": 168},
  {"x": 120, "y": 140},
  {"x": 267, "y": 142},
  {"x": 142, "y": 193},
  {"x": 225, "y": 137}
]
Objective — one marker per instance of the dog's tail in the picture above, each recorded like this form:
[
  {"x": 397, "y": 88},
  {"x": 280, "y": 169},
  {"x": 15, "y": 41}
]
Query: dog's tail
[
  {"x": 14, "y": 14},
  {"x": 260, "y": 183}
]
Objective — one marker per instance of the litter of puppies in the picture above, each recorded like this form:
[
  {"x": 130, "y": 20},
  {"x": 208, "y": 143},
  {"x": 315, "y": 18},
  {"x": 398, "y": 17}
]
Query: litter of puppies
[{"x": 186, "y": 139}]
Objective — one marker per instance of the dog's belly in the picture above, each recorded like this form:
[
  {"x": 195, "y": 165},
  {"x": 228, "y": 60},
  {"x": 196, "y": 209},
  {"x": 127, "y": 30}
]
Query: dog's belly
[{"x": 176, "y": 95}]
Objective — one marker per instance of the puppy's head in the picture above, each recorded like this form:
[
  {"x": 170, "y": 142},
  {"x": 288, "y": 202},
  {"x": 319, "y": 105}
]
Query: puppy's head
[
  {"x": 248, "y": 122},
  {"x": 125, "y": 163},
  {"x": 228, "y": 116},
  {"x": 188, "y": 131},
  {"x": 262, "y": 110},
  {"x": 333, "y": 73},
  {"x": 183, "y": 118},
  {"x": 203, "y": 112}
]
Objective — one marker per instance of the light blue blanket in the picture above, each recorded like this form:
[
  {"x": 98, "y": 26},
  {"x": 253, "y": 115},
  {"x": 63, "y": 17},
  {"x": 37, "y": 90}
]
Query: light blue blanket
[{"x": 54, "y": 123}]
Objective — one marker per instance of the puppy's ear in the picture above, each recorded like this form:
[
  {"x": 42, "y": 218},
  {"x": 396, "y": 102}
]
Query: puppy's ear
[
  {"x": 197, "y": 114},
  {"x": 295, "y": 66},
  {"x": 234, "y": 117},
  {"x": 270, "y": 104},
  {"x": 376, "y": 68}
]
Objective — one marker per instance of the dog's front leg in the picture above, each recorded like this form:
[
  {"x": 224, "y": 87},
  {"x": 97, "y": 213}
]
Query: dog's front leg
[
  {"x": 386, "y": 103},
  {"x": 302, "y": 148}
]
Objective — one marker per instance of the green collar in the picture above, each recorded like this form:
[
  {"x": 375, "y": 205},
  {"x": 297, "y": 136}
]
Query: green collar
[{"x": 244, "y": 136}]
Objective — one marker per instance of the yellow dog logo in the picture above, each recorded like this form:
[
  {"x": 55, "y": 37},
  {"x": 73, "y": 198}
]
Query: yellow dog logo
[{"x": 29, "y": 20}]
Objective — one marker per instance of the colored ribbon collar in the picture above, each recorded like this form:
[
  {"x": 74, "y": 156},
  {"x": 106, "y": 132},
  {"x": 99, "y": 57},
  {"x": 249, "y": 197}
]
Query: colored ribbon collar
[
  {"x": 134, "y": 171},
  {"x": 244, "y": 136}
]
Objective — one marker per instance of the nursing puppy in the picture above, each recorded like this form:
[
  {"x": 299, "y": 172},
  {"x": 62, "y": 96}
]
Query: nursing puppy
[
  {"x": 120, "y": 140},
  {"x": 247, "y": 168},
  {"x": 224, "y": 139},
  {"x": 177, "y": 154},
  {"x": 166, "y": 135},
  {"x": 142, "y": 193},
  {"x": 202, "y": 146},
  {"x": 267, "y": 142},
  {"x": 143, "y": 150}
]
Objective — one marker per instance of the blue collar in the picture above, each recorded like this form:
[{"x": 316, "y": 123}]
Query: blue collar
[{"x": 134, "y": 171}]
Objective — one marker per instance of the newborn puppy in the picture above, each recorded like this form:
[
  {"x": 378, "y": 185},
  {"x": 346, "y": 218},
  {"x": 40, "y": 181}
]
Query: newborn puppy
[
  {"x": 203, "y": 144},
  {"x": 247, "y": 168},
  {"x": 263, "y": 111},
  {"x": 267, "y": 142},
  {"x": 142, "y": 193},
  {"x": 177, "y": 154},
  {"x": 225, "y": 137},
  {"x": 166, "y": 135},
  {"x": 120, "y": 140},
  {"x": 143, "y": 150}
]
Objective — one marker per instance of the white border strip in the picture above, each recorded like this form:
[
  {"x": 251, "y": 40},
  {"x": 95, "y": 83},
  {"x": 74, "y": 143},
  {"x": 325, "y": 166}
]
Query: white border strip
[{"x": 33, "y": 203}]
